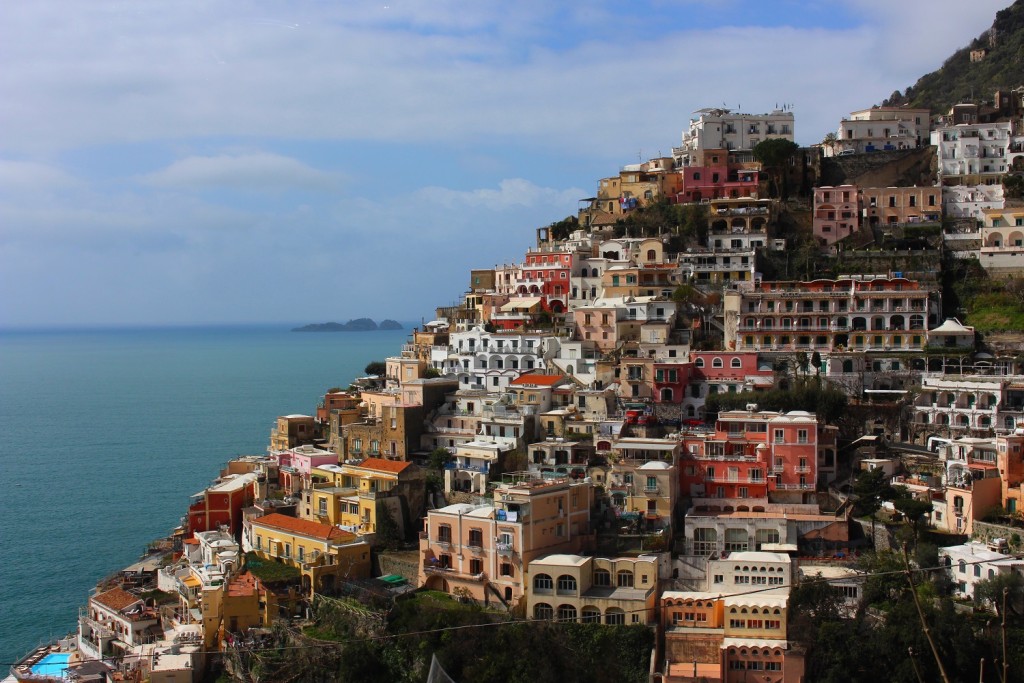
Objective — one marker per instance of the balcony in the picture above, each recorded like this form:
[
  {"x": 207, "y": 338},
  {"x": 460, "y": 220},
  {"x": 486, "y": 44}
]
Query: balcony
[
  {"x": 504, "y": 549},
  {"x": 651, "y": 489}
]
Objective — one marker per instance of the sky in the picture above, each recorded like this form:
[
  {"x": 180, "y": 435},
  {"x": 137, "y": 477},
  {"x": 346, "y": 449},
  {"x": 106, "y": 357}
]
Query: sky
[{"x": 204, "y": 161}]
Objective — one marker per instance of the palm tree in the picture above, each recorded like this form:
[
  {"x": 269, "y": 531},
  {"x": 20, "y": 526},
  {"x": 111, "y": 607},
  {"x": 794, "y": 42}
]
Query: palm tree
[{"x": 830, "y": 141}]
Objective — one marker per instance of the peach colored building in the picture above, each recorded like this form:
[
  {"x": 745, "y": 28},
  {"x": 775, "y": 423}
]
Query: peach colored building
[
  {"x": 860, "y": 313},
  {"x": 483, "y": 551},
  {"x": 727, "y": 639}
]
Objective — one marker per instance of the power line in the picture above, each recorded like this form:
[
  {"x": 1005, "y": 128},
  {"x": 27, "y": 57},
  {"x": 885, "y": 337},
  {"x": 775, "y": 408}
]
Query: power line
[{"x": 753, "y": 591}]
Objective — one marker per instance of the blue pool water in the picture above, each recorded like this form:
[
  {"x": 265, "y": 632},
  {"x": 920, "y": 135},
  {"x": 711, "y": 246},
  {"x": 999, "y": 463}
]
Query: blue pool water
[{"x": 53, "y": 664}]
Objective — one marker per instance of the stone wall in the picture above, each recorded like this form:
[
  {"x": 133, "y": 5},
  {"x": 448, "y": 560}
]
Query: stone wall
[{"x": 985, "y": 532}]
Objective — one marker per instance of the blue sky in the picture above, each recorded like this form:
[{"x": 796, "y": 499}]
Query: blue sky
[{"x": 203, "y": 162}]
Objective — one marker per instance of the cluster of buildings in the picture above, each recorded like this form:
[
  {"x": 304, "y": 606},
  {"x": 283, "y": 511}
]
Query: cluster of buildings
[{"x": 564, "y": 400}]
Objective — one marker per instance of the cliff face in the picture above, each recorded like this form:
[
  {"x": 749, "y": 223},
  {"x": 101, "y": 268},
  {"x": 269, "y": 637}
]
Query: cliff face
[{"x": 900, "y": 168}]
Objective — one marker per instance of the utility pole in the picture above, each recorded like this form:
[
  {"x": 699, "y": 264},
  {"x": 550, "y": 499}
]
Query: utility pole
[{"x": 920, "y": 614}]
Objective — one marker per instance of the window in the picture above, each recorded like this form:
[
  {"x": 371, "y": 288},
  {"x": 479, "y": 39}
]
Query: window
[
  {"x": 444, "y": 534},
  {"x": 566, "y": 584},
  {"x": 476, "y": 538},
  {"x": 624, "y": 579},
  {"x": 615, "y": 617},
  {"x": 287, "y": 549},
  {"x": 602, "y": 577},
  {"x": 736, "y": 363},
  {"x": 476, "y": 566},
  {"x": 542, "y": 582},
  {"x": 780, "y": 436},
  {"x": 543, "y": 611},
  {"x": 717, "y": 363},
  {"x": 505, "y": 569},
  {"x": 302, "y": 553}
]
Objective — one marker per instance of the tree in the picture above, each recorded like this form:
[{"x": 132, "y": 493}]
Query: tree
[
  {"x": 915, "y": 510},
  {"x": 377, "y": 367},
  {"x": 816, "y": 362},
  {"x": 830, "y": 141},
  {"x": 431, "y": 373},
  {"x": 773, "y": 154},
  {"x": 439, "y": 457},
  {"x": 990, "y": 592},
  {"x": 871, "y": 488}
]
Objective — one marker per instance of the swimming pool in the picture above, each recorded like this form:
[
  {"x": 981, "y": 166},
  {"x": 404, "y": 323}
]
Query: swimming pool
[{"x": 54, "y": 664}]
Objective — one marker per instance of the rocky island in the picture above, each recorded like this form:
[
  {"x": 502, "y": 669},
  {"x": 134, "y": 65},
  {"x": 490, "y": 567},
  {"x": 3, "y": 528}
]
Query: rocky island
[{"x": 356, "y": 325}]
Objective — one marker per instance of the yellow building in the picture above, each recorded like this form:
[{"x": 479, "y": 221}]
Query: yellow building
[
  {"x": 292, "y": 430},
  {"x": 594, "y": 590},
  {"x": 242, "y": 603},
  {"x": 353, "y": 495},
  {"x": 324, "y": 554}
]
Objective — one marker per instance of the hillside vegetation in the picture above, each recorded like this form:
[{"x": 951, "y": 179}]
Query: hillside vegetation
[{"x": 959, "y": 79}]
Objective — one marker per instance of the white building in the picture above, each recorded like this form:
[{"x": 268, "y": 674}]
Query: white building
[
  {"x": 883, "y": 129},
  {"x": 973, "y": 562},
  {"x": 972, "y": 154},
  {"x": 715, "y": 128}
]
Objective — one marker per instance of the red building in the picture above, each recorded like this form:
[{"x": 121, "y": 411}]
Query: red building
[
  {"x": 717, "y": 181},
  {"x": 751, "y": 454},
  {"x": 222, "y": 504},
  {"x": 670, "y": 381},
  {"x": 546, "y": 274}
]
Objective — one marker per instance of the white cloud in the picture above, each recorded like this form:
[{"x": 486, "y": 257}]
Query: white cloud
[
  {"x": 257, "y": 172},
  {"x": 459, "y": 71},
  {"x": 32, "y": 176},
  {"x": 513, "y": 192}
]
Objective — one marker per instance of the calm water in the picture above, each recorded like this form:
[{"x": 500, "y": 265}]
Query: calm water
[{"x": 104, "y": 435}]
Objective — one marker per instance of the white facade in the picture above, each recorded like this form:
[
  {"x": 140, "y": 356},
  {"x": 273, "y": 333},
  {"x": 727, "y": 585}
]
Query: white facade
[
  {"x": 883, "y": 129},
  {"x": 715, "y": 128},
  {"x": 741, "y": 572},
  {"x": 490, "y": 360},
  {"x": 960, "y": 403},
  {"x": 972, "y": 153},
  {"x": 970, "y": 201},
  {"x": 973, "y": 562}
]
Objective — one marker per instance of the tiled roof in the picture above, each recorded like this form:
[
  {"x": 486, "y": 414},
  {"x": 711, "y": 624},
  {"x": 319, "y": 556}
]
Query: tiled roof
[
  {"x": 243, "y": 585},
  {"x": 116, "y": 599},
  {"x": 304, "y": 527},
  {"x": 538, "y": 380},
  {"x": 383, "y": 465}
]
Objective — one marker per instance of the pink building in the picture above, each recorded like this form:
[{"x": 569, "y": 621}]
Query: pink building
[
  {"x": 717, "y": 179},
  {"x": 485, "y": 549},
  {"x": 752, "y": 454},
  {"x": 836, "y": 213},
  {"x": 304, "y": 458}
]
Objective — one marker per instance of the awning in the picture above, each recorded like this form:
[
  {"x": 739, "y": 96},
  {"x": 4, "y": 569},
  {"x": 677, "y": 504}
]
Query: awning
[
  {"x": 191, "y": 581},
  {"x": 520, "y": 303}
]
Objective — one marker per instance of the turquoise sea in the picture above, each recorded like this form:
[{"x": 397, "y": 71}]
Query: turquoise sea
[{"x": 104, "y": 435}]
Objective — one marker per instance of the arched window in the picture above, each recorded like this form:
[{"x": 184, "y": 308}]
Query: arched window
[
  {"x": 699, "y": 363},
  {"x": 542, "y": 582},
  {"x": 717, "y": 363},
  {"x": 543, "y": 611},
  {"x": 614, "y": 617},
  {"x": 566, "y": 584},
  {"x": 566, "y": 613},
  {"x": 624, "y": 579},
  {"x": 666, "y": 394},
  {"x": 590, "y": 615},
  {"x": 602, "y": 577},
  {"x": 736, "y": 363},
  {"x": 651, "y": 255}
]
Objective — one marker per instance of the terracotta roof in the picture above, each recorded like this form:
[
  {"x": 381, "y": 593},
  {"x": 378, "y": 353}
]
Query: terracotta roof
[
  {"x": 116, "y": 599},
  {"x": 538, "y": 379},
  {"x": 324, "y": 532},
  {"x": 383, "y": 465},
  {"x": 243, "y": 585}
]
